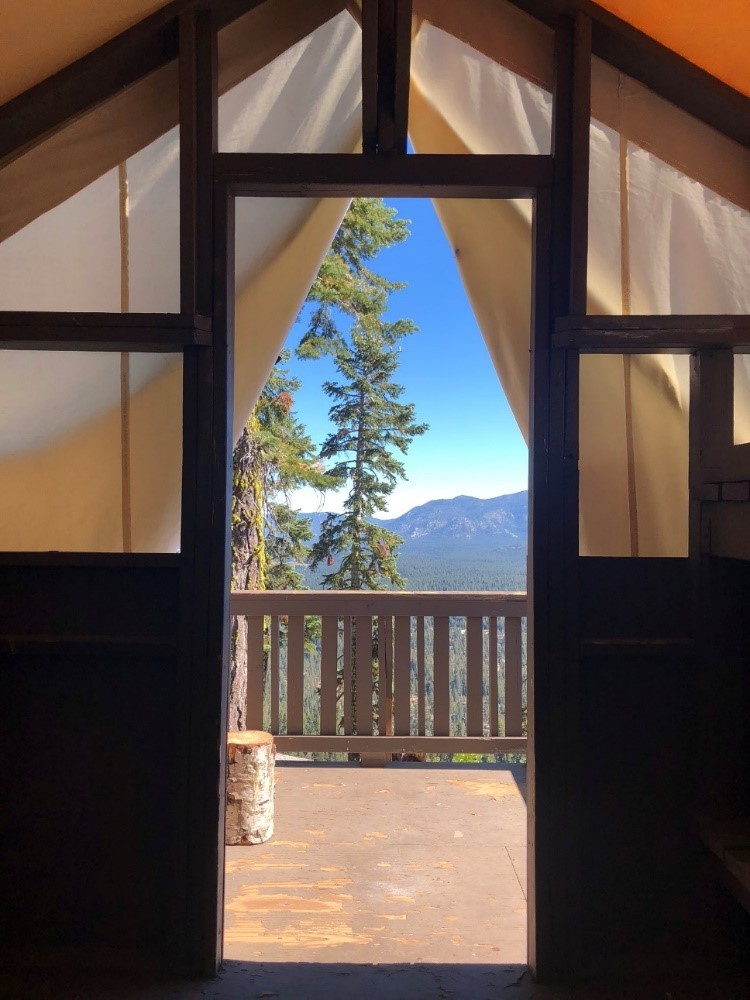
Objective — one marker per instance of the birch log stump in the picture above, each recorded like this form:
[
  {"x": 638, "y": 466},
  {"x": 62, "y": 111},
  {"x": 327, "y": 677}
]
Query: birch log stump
[{"x": 251, "y": 758}]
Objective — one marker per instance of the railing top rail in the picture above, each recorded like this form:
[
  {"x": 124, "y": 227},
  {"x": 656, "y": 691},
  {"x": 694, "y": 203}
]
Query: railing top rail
[{"x": 501, "y": 604}]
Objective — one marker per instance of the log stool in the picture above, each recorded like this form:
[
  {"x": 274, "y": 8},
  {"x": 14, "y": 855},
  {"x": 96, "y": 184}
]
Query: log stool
[{"x": 251, "y": 757}]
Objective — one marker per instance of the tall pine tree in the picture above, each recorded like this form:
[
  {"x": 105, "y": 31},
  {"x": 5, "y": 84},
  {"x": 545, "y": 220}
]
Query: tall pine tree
[
  {"x": 372, "y": 423},
  {"x": 370, "y": 419}
]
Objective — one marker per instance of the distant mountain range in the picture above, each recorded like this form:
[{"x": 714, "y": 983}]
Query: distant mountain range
[
  {"x": 466, "y": 523},
  {"x": 460, "y": 544}
]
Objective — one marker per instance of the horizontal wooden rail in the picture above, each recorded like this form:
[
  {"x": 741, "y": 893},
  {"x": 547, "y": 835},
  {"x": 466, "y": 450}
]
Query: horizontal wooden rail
[
  {"x": 427, "y": 175},
  {"x": 377, "y": 602},
  {"x": 402, "y": 744},
  {"x": 384, "y": 671},
  {"x": 160, "y": 333},
  {"x": 652, "y": 334}
]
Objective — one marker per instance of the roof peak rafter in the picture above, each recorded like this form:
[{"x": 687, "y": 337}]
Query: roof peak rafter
[{"x": 154, "y": 42}]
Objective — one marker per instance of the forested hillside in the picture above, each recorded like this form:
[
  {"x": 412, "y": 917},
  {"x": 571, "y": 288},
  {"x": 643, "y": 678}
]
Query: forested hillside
[{"x": 459, "y": 544}]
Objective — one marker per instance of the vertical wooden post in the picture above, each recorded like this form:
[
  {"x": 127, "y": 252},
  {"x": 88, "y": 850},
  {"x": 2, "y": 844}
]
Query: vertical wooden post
[
  {"x": 275, "y": 684},
  {"x": 560, "y": 257},
  {"x": 206, "y": 277},
  {"x": 295, "y": 674},
  {"x": 493, "y": 685},
  {"x": 328, "y": 675},
  {"x": 255, "y": 665},
  {"x": 347, "y": 675},
  {"x": 420, "y": 677},
  {"x": 474, "y": 676},
  {"x": 441, "y": 712},
  {"x": 402, "y": 676},
  {"x": 363, "y": 669}
]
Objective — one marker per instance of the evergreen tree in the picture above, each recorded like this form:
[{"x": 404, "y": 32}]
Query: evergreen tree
[
  {"x": 371, "y": 421},
  {"x": 273, "y": 457}
]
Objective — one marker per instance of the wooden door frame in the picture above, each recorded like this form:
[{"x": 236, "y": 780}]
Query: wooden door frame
[{"x": 552, "y": 189}]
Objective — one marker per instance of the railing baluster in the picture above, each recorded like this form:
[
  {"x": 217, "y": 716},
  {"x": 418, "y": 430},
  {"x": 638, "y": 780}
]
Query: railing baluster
[
  {"x": 385, "y": 675},
  {"x": 274, "y": 665},
  {"x": 295, "y": 668},
  {"x": 441, "y": 676},
  {"x": 493, "y": 686},
  {"x": 347, "y": 675},
  {"x": 401, "y": 676},
  {"x": 513, "y": 713},
  {"x": 254, "y": 697},
  {"x": 328, "y": 678},
  {"x": 474, "y": 672},
  {"x": 420, "y": 677},
  {"x": 363, "y": 661}
]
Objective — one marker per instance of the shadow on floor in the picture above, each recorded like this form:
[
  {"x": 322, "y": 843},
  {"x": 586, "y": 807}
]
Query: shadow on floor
[{"x": 348, "y": 981}]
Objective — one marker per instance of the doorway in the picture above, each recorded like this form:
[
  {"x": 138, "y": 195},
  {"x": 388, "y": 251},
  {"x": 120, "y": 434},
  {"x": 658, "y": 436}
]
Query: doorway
[{"x": 281, "y": 872}]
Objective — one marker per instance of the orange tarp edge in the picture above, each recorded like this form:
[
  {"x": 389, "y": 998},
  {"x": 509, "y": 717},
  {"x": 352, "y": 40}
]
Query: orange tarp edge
[{"x": 713, "y": 36}]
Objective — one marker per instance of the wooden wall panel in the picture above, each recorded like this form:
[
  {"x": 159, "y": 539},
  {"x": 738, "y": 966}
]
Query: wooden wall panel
[
  {"x": 93, "y": 765},
  {"x": 661, "y": 723},
  {"x": 635, "y": 598}
]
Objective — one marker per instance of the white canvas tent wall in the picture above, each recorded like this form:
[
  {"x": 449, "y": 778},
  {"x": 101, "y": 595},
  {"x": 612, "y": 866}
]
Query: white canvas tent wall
[{"x": 90, "y": 446}]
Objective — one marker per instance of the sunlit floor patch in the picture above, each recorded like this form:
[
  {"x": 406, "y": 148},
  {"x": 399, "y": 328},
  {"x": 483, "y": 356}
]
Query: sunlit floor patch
[{"x": 365, "y": 868}]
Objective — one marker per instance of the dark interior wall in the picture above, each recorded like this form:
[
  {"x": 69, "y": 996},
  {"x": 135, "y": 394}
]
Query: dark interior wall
[
  {"x": 93, "y": 708},
  {"x": 725, "y": 685},
  {"x": 648, "y": 884}
]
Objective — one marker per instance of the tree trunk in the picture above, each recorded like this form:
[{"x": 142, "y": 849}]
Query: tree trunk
[
  {"x": 248, "y": 558},
  {"x": 251, "y": 758}
]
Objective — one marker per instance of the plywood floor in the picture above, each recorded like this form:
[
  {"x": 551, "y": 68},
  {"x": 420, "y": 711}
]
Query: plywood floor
[{"x": 404, "y": 864}]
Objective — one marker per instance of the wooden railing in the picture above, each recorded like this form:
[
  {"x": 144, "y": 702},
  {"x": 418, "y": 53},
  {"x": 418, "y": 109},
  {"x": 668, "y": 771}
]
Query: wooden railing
[{"x": 386, "y": 660}]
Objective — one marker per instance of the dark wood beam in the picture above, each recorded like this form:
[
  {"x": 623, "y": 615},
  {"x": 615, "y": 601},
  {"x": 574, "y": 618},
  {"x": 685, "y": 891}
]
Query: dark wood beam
[
  {"x": 386, "y": 64},
  {"x": 651, "y": 334},
  {"x": 560, "y": 260},
  {"x": 206, "y": 226},
  {"x": 99, "y": 75},
  {"x": 345, "y": 174},
  {"x": 147, "y": 560},
  {"x": 89, "y": 81},
  {"x": 198, "y": 141},
  {"x": 394, "y": 65},
  {"x": 370, "y": 76},
  {"x": 162, "y": 333}
]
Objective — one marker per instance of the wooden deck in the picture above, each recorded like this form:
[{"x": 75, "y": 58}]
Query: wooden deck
[
  {"x": 378, "y": 884},
  {"x": 412, "y": 863}
]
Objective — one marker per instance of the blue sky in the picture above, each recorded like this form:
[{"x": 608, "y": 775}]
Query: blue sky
[{"x": 473, "y": 445}]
